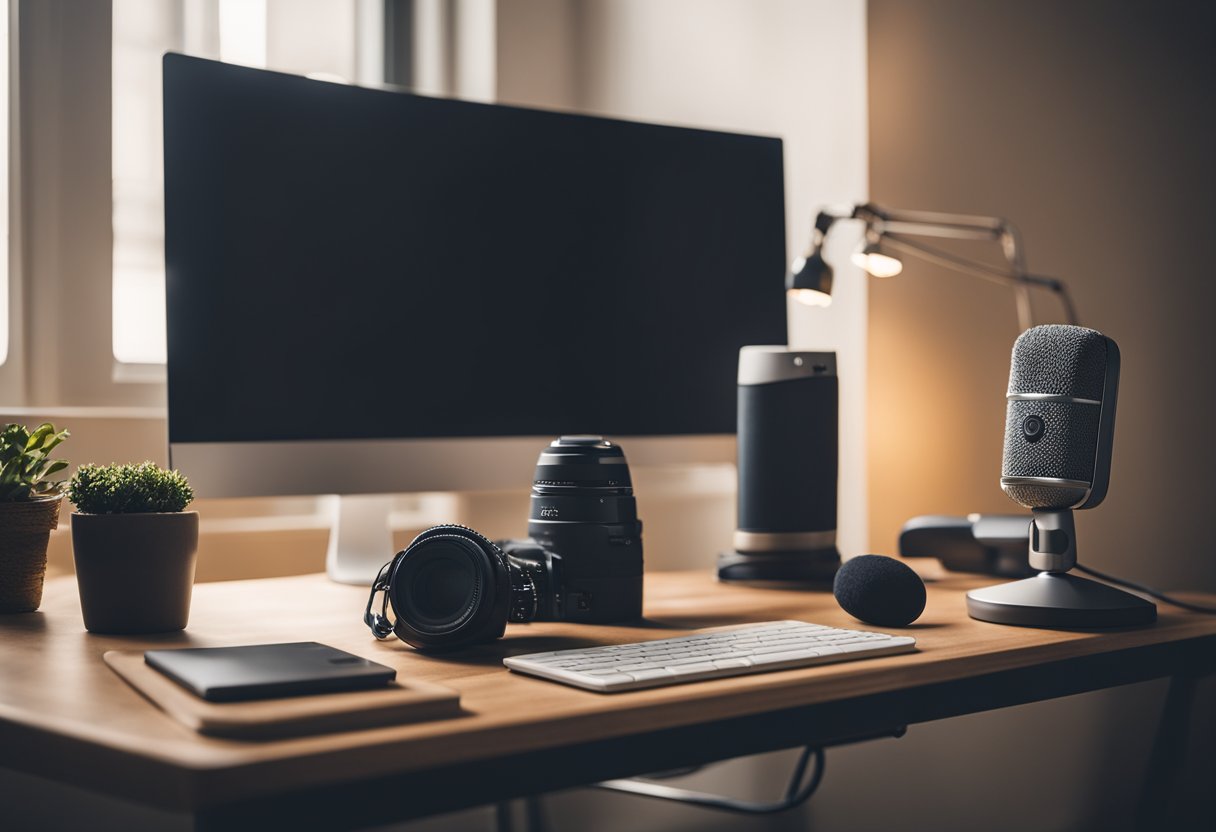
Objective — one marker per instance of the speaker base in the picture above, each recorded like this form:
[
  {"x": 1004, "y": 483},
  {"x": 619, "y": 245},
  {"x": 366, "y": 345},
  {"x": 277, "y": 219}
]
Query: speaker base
[
  {"x": 1061, "y": 601},
  {"x": 807, "y": 566}
]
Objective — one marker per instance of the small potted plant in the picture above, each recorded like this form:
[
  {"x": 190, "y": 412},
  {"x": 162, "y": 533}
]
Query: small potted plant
[
  {"x": 29, "y": 510},
  {"x": 134, "y": 546}
]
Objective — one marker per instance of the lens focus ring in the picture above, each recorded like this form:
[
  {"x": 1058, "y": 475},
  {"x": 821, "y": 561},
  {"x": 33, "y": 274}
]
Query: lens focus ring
[{"x": 525, "y": 598}]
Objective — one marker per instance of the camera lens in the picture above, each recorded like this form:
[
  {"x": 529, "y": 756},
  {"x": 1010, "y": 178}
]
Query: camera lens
[
  {"x": 584, "y": 512},
  {"x": 442, "y": 587},
  {"x": 576, "y": 463},
  {"x": 450, "y": 587}
]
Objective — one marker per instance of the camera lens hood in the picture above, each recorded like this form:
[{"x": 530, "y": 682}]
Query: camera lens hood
[{"x": 582, "y": 463}]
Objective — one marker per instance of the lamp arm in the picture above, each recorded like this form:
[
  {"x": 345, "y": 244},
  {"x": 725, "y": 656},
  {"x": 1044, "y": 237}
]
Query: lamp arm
[
  {"x": 1014, "y": 251},
  {"x": 940, "y": 257},
  {"x": 889, "y": 222},
  {"x": 989, "y": 227},
  {"x": 896, "y": 225},
  {"x": 1019, "y": 282}
]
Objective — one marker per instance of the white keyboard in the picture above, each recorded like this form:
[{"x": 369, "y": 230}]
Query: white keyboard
[{"x": 752, "y": 648}]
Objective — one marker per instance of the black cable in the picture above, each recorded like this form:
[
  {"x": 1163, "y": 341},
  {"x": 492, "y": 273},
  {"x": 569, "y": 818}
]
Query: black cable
[
  {"x": 1153, "y": 593},
  {"x": 800, "y": 769}
]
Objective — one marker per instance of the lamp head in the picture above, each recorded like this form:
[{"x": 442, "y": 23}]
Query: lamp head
[
  {"x": 875, "y": 261},
  {"x": 810, "y": 280}
]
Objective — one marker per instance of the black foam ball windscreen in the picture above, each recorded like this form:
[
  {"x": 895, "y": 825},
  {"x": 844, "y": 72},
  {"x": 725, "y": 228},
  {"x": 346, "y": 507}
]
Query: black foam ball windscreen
[{"x": 879, "y": 590}]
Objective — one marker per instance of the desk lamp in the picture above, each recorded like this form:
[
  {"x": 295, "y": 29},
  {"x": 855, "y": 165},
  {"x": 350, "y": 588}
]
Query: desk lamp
[{"x": 889, "y": 232}]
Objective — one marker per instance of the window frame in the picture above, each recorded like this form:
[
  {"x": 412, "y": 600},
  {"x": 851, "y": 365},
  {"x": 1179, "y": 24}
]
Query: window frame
[
  {"x": 12, "y": 370},
  {"x": 66, "y": 240}
]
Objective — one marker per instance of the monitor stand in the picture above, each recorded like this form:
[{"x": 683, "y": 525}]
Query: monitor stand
[{"x": 360, "y": 538}]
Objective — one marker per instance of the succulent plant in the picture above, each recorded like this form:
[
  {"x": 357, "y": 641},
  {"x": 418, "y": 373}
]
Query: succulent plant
[
  {"x": 128, "y": 489},
  {"x": 25, "y": 462}
]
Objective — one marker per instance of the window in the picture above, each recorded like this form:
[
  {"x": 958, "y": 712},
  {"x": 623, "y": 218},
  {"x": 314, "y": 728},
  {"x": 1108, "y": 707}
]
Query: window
[{"x": 339, "y": 40}]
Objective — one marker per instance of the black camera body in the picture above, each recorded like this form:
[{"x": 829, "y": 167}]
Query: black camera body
[{"x": 582, "y": 561}]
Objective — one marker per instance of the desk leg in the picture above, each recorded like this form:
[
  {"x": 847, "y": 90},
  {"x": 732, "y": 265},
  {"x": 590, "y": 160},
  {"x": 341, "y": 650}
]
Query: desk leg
[
  {"x": 504, "y": 815},
  {"x": 503, "y": 820},
  {"x": 536, "y": 814},
  {"x": 1169, "y": 751}
]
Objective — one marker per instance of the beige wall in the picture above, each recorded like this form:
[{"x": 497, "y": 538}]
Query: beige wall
[{"x": 1090, "y": 125}]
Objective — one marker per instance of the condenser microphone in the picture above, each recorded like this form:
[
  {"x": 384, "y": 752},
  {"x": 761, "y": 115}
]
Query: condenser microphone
[
  {"x": 1060, "y": 418},
  {"x": 1059, "y": 435}
]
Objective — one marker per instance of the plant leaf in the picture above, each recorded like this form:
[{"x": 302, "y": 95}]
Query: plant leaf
[
  {"x": 55, "y": 467},
  {"x": 39, "y": 436}
]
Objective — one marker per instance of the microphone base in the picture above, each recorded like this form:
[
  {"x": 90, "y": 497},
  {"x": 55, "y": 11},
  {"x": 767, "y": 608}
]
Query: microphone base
[
  {"x": 1059, "y": 601},
  {"x": 814, "y": 567}
]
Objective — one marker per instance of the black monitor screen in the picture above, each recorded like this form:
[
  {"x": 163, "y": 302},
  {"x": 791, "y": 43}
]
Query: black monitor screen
[{"x": 347, "y": 263}]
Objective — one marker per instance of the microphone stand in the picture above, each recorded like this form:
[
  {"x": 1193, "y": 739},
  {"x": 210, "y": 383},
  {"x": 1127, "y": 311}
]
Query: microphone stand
[{"x": 1054, "y": 597}]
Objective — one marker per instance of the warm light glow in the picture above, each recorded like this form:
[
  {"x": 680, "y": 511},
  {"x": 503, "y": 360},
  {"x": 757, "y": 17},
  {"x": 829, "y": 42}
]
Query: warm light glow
[
  {"x": 878, "y": 264},
  {"x": 811, "y": 297}
]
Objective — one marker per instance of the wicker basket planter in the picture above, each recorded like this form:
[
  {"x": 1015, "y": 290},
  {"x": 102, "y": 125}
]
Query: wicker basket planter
[
  {"x": 25, "y": 531},
  {"x": 135, "y": 571}
]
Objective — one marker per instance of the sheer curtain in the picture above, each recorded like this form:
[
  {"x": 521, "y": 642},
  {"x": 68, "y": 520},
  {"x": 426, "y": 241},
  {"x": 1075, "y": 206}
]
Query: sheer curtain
[{"x": 338, "y": 40}]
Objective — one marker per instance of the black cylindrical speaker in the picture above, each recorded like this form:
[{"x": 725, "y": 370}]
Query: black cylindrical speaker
[
  {"x": 1060, "y": 417},
  {"x": 788, "y": 459}
]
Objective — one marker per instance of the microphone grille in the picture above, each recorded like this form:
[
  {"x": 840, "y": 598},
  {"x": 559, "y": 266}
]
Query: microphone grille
[
  {"x": 1064, "y": 360},
  {"x": 1055, "y": 457}
]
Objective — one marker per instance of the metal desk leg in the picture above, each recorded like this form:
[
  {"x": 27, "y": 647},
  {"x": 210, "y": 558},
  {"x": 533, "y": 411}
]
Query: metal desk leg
[{"x": 1169, "y": 751}]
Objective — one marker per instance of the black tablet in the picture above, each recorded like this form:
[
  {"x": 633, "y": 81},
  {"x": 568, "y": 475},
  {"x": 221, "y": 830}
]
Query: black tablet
[{"x": 266, "y": 671}]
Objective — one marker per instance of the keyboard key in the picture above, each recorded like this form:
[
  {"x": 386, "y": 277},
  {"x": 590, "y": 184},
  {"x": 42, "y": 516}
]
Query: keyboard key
[
  {"x": 726, "y": 663},
  {"x": 614, "y": 679},
  {"x": 653, "y": 673},
  {"x": 687, "y": 669},
  {"x": 787, "y": 656}
]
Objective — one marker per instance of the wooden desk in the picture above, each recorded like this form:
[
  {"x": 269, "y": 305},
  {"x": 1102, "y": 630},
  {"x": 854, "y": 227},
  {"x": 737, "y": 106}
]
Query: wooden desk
[{"x": 65, "y": 716}]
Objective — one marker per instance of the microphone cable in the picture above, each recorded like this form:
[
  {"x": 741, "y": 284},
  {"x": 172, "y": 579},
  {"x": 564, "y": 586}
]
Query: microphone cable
[{"x": 1152, "y": 593}]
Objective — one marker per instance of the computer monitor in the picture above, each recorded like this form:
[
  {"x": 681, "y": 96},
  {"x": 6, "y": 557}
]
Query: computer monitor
[{"x": 370, "y": 291}]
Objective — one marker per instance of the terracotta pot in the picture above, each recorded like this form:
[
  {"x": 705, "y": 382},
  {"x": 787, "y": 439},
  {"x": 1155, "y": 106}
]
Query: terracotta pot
[
  {"x": 25, "y": 530},
  {"x": 135, "y": 571}
]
